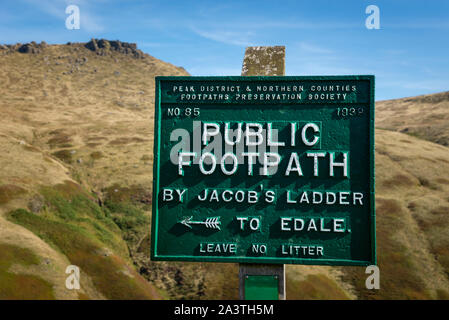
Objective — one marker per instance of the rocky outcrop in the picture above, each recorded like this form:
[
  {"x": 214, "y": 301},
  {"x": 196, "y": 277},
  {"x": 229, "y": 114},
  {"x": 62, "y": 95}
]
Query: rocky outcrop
[
  {"x": 104, "y": 47},
  {"x": 31, "y": 47},
  {"x": 101, "y": 47}
]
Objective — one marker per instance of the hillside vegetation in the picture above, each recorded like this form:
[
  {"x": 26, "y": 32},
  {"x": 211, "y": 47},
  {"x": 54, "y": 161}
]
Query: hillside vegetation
[
  {"x": 76, "y": 173},
  {"x": 426, "y": 117},
  {"x": 76, "y": 119}
]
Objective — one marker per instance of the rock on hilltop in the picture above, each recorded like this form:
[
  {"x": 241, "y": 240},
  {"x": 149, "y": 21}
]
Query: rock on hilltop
[
  {"x": 31, "y": 47},
  {"x": 104, "y": 47},
  {"x": 101, "y": 47}
]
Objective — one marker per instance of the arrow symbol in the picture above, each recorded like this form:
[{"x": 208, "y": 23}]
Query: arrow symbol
[{"x": 211, "y": 223}]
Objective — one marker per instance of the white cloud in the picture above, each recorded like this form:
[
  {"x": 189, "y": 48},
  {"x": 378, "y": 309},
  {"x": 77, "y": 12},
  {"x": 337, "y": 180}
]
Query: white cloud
[
  {"x": 419, "y": 24},
  {"x": 308, "y": 47},
  {"x": 238, "y": 38},
  {"x": 319, "y": 68},
  {"x": 213, "y": 71},
  {"x": 56, "y": 9},
  {"x": 90, "y": 23}
]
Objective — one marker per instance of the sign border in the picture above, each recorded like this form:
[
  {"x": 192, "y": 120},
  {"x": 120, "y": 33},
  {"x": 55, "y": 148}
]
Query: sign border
[{"x": 271, "y": 260}]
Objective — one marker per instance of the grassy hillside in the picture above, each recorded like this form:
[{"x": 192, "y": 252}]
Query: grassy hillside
[
  {"x": 21, "y": 286},
  {"x": 76, "y": 120},
  {"x": 76, "y": 174},
  {"x": 426, "y": 117},
  {"x": 412, "y": 215}
]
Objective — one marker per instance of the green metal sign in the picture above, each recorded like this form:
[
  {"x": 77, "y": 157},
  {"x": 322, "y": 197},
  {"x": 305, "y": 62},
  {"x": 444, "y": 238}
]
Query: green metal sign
[{"x": 264, "y": 170}]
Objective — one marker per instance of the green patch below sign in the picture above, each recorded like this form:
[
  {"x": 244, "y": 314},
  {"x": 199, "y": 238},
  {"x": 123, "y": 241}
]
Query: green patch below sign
[{"x": 261, "y": 288}]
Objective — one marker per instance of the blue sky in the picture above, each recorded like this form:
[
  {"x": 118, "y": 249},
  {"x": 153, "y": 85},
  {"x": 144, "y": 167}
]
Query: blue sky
[{"x": 409, "y": 54}]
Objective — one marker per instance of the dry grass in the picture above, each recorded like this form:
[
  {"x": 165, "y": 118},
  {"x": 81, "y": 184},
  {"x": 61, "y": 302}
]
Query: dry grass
[
  {"x": 56, "y": 108},
  {"x": 315, "y": 287},
  {"x": 53, "y": 102},
  {"x": 425, "y": 117},
  {"x": 14, "y": 286},
  {"x": 64, "y": 155},
  {"x": 96, "y": 155},
  {"x": 59, "y": 139},
  {"x": 126, "y": 140},
  {"x": 399, "y": 278},
  {"x": 86, "y": 252},
  {"x": 398, "y": 181},
  {"x": 9, "y": 192},
  {"x": 412, "y": 220}
]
